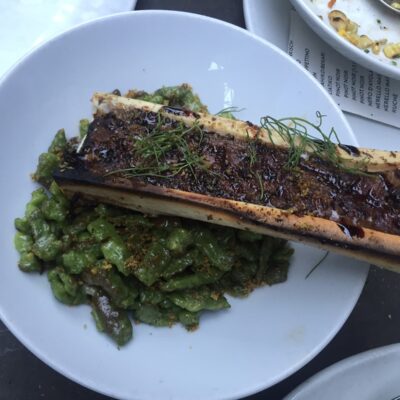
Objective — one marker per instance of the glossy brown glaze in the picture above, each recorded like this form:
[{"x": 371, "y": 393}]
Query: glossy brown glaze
[{"x": 250, "y": 172}]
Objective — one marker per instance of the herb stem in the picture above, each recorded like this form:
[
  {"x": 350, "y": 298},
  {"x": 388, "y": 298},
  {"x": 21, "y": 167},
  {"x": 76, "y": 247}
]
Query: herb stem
[{"x": 317, "y": 265}]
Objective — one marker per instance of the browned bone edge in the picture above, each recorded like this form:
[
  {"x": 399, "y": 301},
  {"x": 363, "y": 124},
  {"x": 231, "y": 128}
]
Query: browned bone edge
[
  {"x": 376, "y": 160},
  {"x": 375, "y": 247}
]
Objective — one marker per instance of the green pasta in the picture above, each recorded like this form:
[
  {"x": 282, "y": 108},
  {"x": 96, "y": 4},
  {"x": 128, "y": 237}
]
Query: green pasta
[
  {"x": 28, "y": 262},
  {"x": 200, "y": 299},
  {"x": 123, "y": 294},
  {"x": 59, "y": 142},
  {"x": 220, "y": 257},
  {"x": 129, "y": 266},
  {"x": 154, "y": 263},
  {"x": 102, "y": 230},
  {"x": 65, "y": 287},
  {"x": 115, "y": 251},
  {"x": 108, "y": 318},
  {"x": 48, "y": 163}
]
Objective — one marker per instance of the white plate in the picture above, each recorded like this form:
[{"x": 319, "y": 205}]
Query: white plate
[
  {"x": 260, "y": 340},
  {"x": 365, "y": 13},
  {"x": 270, "y": 19},
  {"x": 372, "y": 375}
]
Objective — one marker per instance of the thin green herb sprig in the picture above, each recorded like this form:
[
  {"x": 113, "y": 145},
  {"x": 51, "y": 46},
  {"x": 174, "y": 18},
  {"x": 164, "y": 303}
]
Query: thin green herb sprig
[
  {"x": 228, "y": 112},
  {"x": 152, "y": 151},
  {"x": 317, "y": 265},
  {"x": 303, "y": 137}
]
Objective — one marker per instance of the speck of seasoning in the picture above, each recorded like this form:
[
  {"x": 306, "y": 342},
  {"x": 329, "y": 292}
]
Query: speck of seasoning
[
  {"x": 366, "y": 51},
  {"x": 394, "y": 63},
  {"x": 378, "y": 21}
]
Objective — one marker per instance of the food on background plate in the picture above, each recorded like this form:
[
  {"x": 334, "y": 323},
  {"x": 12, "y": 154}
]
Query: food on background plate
[
  {"x": 160, "y": 270},
  {"x": 349, "y": 30},
  {"x": 395, "y": 4}
]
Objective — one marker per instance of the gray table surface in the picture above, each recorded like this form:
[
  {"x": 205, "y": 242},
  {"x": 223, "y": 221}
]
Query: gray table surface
[{"x": 374, "y": 322}]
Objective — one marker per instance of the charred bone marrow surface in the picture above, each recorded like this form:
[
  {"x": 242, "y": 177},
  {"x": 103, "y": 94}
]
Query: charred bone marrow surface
[{"x": 233, "y": 173}]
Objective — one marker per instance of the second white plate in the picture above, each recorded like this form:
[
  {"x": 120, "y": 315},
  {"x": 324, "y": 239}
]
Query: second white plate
[
  {"x": 373, "y": 19},
  {"x": 371, "y": 375},
  {"x": 270, "y": 20}
]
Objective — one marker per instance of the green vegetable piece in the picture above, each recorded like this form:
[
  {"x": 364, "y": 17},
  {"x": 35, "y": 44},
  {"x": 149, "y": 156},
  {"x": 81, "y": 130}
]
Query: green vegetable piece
[
  {"x": 153, "y": 264},
  {"x": 188, "y": 319},
  {"x": 152, "y": 315},
  {"x": 239, "y": 282},
  {"x": 59, "y": 142},
  {"x": 151, "y": 296},
  {"x": 66, "y": 288},
  {"x": 190, "y": 281},
  {"x": 276, "y": 275},
  {"x": 56, "y": 228},
  {"x": 37, "y": 198},
  {"x": 177, "y": 265},
  {"x": 39, "y": 226},
  {"x": 243, "y": 273},
  {"x": 28, "y": 262},
  {"x": 179, "y": 240},
  {"x": 167, "y": 304},
  {"x": 22, "y": 225},
  {"x": 102, "y": 230},
  {"x": 47, "y": 247},
  {"x": 119, "y": 291},
  {"x": 154, "y": 98},
  {"x": 23, "y": 243},
  {"x": 247, "y": 236},
  {"x": 280, "y": 262},
  {"x": 248, "y": 251},
  {"x": 53, "y": 210},
  {"x": 76, "y": 261},
  {"x": 83, "y": 128},
  {"x": 218, "y": 256},
  {"x": 85, "y": 237},
  {"x": 199, "y": 299},
  {"x": 116, "y": 252},
  {"x": 109, "y": 319},
  {"x": 66, "y": 241},
  {"x": 48, "y": 163},
  {"x": 79, "y": 223},
  {"x": 265, "y": 254},
  {"x": 58, "y": 194},
  {"x": 93, "y": 249},
  {"x": 180, "y": 96}
]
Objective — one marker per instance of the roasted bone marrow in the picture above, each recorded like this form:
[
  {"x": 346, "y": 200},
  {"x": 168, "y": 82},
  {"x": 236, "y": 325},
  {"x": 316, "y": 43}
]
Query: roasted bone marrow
[{"x": 165, "y": 160}]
